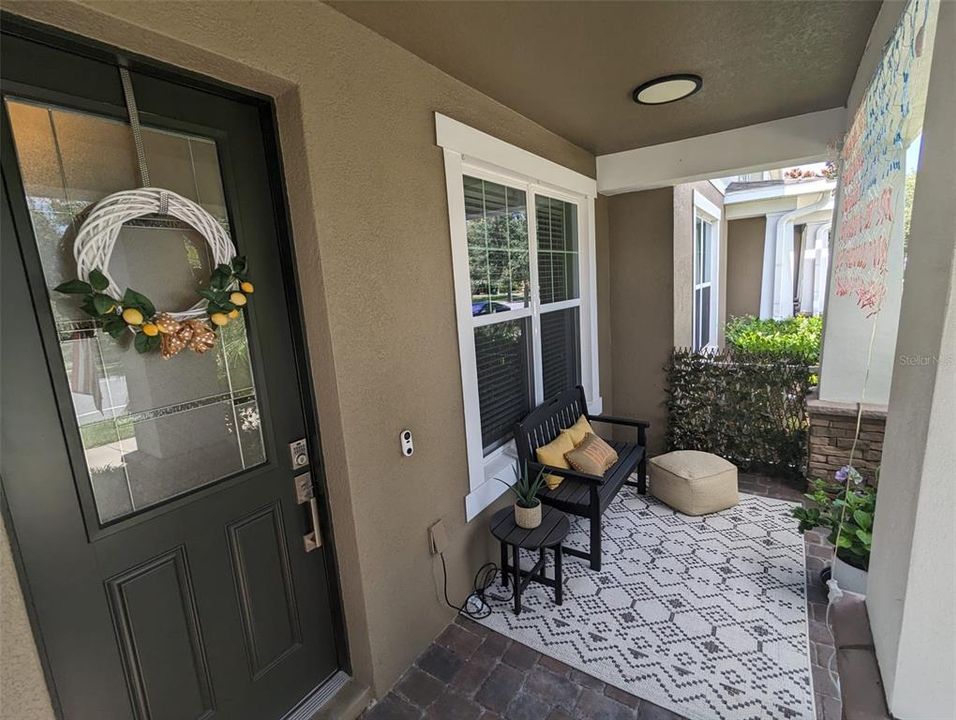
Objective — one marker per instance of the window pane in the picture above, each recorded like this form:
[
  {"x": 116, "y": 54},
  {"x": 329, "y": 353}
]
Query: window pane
[
  {"x": 496, "y": 221},
  {"x": 503, "y": 357},
  {"x": 151, "y": 428},
  {"x": 703, "y": 316},
  {"x": 557, "y": 232},
  {"x": 560, "y": 351}
]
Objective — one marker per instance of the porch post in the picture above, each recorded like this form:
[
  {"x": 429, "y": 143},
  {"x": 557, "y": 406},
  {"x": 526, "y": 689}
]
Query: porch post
[{"x": 911, "y": 596}]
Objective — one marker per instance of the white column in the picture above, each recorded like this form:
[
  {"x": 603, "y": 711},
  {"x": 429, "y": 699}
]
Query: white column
[
  {"x": 783, "y": 269},
  {"x": 911, "y": 596},
  {"x": 767, "y": 280},
  {"x": 821, "y": 265}
]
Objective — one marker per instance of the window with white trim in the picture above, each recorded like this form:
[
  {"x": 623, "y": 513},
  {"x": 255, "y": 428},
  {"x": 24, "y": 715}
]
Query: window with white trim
[
  {"x": 524, "y": 272},
  {"x": 706, "y": 245},
  {"x": 522, "y": 250}
]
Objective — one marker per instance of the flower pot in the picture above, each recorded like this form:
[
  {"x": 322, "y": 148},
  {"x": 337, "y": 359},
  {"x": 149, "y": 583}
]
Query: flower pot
[
  {"x": 849, "y": 578},
  {"x": 528, "y": 518}
]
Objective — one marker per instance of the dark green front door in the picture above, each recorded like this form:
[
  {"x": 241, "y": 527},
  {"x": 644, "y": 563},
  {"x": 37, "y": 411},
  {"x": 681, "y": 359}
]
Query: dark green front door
[{"x": 152, "y": 501}]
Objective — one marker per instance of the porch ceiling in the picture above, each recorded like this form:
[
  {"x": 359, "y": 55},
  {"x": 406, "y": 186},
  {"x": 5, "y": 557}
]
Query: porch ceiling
[{"x": 572, "y": 66}]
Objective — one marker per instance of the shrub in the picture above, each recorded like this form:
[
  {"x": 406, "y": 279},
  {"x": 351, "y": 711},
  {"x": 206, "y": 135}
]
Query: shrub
[
  {"x": 750, "y": 408},
  {"x": 799, "y": 335}
]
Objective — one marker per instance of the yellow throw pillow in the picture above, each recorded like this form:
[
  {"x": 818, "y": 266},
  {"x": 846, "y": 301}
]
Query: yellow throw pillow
[
  {"x": 553, "y": 454},
  {"x": 593, "y": 456},
  {"x": 577, "y": 431}
]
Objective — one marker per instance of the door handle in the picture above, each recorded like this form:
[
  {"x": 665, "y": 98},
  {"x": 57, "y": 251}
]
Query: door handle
[{"x": 313, "y": 540}]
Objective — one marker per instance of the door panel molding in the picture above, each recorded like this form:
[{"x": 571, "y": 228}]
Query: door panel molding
[
  {"x": 251, "y": 540},
  {"x": 144, "y": 635}
]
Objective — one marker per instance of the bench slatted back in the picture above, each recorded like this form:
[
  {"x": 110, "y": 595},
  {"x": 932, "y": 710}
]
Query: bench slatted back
[{"x": 547, "y": 420}]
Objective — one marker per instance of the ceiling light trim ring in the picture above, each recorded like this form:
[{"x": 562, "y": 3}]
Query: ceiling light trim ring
[{"x": 690, "y": 77}]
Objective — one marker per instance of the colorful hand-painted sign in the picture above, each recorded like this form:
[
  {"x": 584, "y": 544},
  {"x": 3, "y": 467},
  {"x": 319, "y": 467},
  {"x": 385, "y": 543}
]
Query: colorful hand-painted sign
[{"x": 873, "y": 172}]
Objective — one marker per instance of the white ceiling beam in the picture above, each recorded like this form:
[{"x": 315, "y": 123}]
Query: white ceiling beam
[{"x": 794, "y": 140}]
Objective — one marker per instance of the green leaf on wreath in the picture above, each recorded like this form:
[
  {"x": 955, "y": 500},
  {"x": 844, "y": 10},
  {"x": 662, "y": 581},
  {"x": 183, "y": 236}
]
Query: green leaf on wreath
[
  {"x": 137, "y": 300},
  {"x": 103, "y": 304},
  {"x": 114, "y": 326},
  {"x": 74, "y": 287},
  {"x": 239, "y": 264},
  {"x": 141, "y": 342},
  {"x": 98, "y": 280},
  {"x": 153, "y": 341}
]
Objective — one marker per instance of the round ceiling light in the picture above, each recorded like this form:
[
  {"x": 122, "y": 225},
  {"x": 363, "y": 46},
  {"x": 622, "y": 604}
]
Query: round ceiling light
[{"x": 667, "y": 89}]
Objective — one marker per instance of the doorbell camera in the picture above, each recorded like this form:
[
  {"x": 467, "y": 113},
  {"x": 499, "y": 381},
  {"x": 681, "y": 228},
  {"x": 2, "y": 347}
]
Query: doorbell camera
[{"x": 407, "y": 446}]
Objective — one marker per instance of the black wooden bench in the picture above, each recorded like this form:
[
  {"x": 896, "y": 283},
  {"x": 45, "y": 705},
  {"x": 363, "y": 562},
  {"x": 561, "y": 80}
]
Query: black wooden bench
[{"x": 581, "y": 494}]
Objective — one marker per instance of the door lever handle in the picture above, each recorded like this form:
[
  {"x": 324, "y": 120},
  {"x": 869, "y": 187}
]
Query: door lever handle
[{"x": 313, "y": 540}]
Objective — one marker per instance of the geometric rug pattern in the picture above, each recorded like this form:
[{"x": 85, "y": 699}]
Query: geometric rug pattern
[{"x": 705, "y": 616}]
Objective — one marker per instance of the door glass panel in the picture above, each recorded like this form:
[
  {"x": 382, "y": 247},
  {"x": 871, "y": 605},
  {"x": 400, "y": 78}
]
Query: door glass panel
[{"x": 151, "y": 428}]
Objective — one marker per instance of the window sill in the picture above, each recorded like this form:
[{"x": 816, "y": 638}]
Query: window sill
[{"x": 498, "y": 478}]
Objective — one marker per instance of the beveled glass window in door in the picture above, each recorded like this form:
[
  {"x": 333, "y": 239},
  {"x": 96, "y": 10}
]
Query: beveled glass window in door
[{"x": 151, "y": 428}]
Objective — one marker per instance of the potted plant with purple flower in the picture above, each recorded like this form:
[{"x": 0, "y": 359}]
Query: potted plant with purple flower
[{"x": 846, "y": 509}]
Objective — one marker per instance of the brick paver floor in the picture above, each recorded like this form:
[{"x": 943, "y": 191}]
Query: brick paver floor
[{"x": 472, "y": 673}]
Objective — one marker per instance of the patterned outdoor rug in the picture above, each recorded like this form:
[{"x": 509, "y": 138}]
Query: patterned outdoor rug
[{"x": 705, "y": 616}]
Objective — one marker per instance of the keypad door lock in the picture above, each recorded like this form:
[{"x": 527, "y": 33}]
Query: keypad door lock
[{"x": 298, "y": 453}]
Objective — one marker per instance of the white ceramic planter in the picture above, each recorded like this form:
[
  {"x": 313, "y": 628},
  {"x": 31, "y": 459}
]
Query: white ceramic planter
[
  {"x": 849, "y": 578},
  {"x": 528, "y": 518}
]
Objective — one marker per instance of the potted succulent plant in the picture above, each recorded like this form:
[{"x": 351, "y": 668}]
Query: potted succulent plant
[
  {"x": 846, "y": 510},
  {"x": 527, "y": 505}
]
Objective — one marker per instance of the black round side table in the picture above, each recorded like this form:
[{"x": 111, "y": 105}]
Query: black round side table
[{"x": 550, "y": 533}]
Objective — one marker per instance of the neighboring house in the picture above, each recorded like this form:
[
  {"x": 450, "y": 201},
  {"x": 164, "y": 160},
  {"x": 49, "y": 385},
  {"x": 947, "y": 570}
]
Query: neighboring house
[
  {"x": 755, "y": 244},
  {"x": 778, "y": 244}
]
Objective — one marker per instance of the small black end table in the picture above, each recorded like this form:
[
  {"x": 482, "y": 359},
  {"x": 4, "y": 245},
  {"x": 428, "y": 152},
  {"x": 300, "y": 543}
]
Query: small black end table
[{"x": 550, "y": 533}]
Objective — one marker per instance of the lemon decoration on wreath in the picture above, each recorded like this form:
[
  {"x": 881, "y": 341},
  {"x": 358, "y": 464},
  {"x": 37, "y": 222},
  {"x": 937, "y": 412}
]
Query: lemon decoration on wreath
[{"x": 131, "y": 311}]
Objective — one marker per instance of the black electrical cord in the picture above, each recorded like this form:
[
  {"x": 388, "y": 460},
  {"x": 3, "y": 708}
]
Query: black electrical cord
[{"x": 484, "y": 579}]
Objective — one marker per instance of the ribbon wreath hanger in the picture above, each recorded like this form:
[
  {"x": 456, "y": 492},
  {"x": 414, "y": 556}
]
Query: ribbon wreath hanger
[{"x": 121, "y": 311}]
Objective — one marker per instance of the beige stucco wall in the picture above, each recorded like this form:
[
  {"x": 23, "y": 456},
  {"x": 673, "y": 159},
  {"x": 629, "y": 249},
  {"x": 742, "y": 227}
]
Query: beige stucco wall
[
  {"x": 23, "y": 691},
  {"x": 367, "y": 195},
  {"x": 683, "y": 262},
  {"x": 911, "y": 594},
  {"x": 745, "y": 241},
  {"x": 641, "y": 261}
]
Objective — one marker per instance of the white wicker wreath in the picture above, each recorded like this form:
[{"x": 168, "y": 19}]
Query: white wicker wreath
[{"x": 97, "y": 236}]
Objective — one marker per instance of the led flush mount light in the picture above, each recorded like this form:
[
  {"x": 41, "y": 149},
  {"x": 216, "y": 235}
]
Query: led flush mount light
[{"x": 667, "y": 89}]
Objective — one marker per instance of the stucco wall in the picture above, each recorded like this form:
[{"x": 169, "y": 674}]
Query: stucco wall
[
  {"x": 367, "y": 195},
  {"x": 683, "y": 263},
  {"x": 23, "y": 691},
  {"x": 745, "y": 241},
  {"x": 911, "y": 595},
  {"x": 640, "y": 238}
]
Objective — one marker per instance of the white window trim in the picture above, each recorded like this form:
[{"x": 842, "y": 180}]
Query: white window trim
[
  {"x": 472, "y": 152},
  {"x": 710, "y": 213}
]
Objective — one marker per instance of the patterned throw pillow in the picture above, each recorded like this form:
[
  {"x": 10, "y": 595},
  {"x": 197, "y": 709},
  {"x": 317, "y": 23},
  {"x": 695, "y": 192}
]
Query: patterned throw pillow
[{"x": 593, "y": 456}]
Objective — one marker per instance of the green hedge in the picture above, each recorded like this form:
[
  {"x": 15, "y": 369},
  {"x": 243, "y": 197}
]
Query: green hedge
[
  {"x": 794, "y": 336},
  {"x": 750, "y": 408}
]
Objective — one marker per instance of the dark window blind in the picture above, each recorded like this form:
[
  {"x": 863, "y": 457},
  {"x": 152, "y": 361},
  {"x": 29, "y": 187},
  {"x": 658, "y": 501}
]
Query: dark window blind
[
  {"x": 560, "y": 351},
  {"x": 503, "y": 356}
]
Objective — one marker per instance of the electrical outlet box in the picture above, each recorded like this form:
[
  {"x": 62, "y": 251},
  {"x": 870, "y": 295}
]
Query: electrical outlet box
[{"x": 437, "y": 538}]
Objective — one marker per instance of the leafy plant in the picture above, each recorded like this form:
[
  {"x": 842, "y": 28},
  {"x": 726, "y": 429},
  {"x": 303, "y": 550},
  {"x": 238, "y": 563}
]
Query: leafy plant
[
  {"x": 525, "y": 488},
  {"x": 750, "y": 408},
  {"x": 799, "y": 335},
  {"x": 847, "y": 511}
]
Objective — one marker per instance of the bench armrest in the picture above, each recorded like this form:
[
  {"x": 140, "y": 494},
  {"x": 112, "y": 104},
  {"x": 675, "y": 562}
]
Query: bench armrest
[
  {"x": 565, "y": 473},
  {"x": 641, "y": 425},
  {"x": 613, "y": 420}
]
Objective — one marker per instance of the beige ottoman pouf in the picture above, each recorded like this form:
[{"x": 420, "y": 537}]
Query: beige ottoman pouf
[{"x": 693, "y": 482}]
